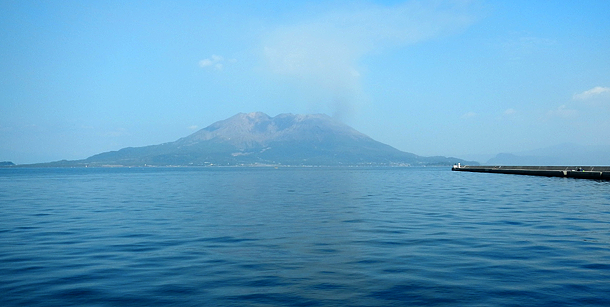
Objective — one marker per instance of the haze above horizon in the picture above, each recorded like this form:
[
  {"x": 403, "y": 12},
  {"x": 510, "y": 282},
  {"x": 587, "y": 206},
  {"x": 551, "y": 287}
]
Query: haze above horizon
[{"x": 452, "y": 78}]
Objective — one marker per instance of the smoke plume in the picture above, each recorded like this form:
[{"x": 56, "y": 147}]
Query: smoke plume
[{"x": 320, "y": 56}]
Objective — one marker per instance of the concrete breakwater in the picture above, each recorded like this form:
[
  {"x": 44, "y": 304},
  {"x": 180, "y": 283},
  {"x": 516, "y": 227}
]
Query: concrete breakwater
[{"x": 586, "y": 172}]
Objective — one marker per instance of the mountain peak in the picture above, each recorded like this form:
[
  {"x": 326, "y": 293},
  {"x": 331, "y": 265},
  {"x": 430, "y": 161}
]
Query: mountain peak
[
  {"x": 255, "y": 116},
  {"x": 257, "y": 129}
]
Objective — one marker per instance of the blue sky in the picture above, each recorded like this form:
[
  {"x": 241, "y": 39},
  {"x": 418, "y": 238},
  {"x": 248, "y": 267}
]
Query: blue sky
[{"x": 454, "y": 78}]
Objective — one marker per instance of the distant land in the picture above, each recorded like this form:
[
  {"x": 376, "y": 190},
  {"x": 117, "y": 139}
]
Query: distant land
[
  {"x": 567, "y": 154},
  {"x": 256, "y": 139}
]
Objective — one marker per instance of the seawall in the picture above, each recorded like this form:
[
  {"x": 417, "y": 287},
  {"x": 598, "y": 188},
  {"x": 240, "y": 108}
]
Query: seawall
[{"x": 585, "y": 172}]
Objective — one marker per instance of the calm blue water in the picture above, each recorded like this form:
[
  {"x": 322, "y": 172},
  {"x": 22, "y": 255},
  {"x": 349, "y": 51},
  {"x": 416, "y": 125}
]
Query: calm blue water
[{"x": 301, "y": 237}]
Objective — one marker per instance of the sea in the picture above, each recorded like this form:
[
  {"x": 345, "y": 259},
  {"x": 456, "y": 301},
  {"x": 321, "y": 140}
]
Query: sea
[{"x": 301, "y": 236}]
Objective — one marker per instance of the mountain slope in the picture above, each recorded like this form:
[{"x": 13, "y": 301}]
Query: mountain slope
[{"x": 256, "y": 138}]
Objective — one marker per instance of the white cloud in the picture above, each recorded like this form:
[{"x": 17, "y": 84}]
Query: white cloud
[
  {"x": 193, "y": 127},
  {"x": 469, "y": 115},
  {"x": 594, "y": 93},
  {"x": 509, "y": 112},
  {"x": 205, "y": 63},
  {"x": 215, "y": 62}
]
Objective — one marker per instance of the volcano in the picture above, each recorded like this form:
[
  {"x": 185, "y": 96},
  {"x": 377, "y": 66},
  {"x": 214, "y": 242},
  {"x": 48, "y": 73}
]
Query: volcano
[{"x": 250, "y": 139}]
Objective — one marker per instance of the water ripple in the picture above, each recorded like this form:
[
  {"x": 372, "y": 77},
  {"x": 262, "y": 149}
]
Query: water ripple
[{"x": 301, "y": 237}]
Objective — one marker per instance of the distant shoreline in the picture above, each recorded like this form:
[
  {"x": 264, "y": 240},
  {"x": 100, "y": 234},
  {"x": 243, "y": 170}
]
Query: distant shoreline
[{"x": 56, "y": 165}]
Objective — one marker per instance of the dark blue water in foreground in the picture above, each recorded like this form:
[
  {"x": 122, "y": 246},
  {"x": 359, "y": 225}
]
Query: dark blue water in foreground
[{"x": 301, "y": 237}]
